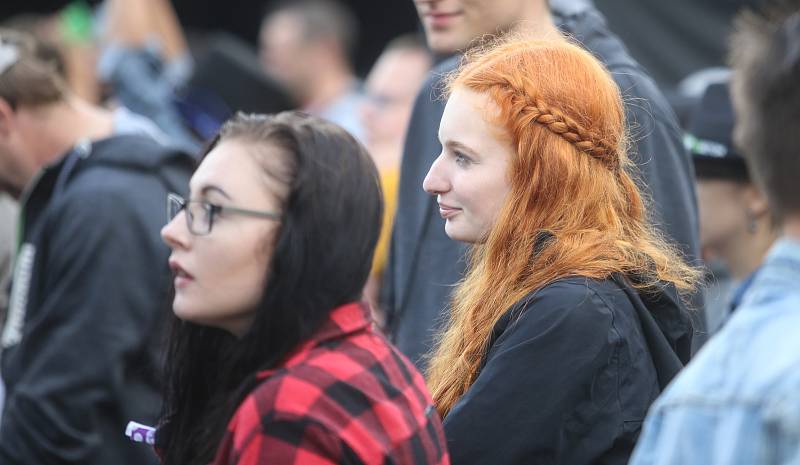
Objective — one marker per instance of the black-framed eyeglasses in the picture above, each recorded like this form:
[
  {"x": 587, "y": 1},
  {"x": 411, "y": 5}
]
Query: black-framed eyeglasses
[{"x": 200, "y": 214}]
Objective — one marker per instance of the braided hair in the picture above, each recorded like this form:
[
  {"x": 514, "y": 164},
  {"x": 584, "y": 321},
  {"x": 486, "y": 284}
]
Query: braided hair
[{"x": 583, "y": 139}]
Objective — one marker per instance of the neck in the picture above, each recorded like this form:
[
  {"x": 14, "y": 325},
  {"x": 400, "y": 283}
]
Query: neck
[
  {"x": 329, "y": 86},
  {"x": 747, "y": 253},
  {"x": 537, "y": 22},
  {"x": 791, "y": 227},
  {"x": 65, "y": 124}
]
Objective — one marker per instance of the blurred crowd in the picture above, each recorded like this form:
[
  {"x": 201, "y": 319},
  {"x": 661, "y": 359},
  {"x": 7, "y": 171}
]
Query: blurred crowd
[{"x": 342, "y": 276}]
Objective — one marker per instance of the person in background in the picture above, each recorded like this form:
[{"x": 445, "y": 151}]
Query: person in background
[
  {"x": 189, "y": 88},
  {"x": 735, "y": 225},
  {"x": 53, "y": 48},
  {"x": 423, "y": 263},
  {"x": 125, "y": 122},
  {"x": 79, "y": 340},
  {"x": 307, "y": 45},
  {"x": 143, "y": 59},
  {"x": 272, "y": 357},
  {"x": 569, "y": 321},
  {"x": 9, "y": 209},
  {"x": 738, "y": 401},
  {"x": 69, "y": 34},
  {"x": 390, "y": 89}
]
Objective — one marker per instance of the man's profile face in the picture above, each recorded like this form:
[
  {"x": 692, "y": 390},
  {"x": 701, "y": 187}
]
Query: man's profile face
[
  {"x": 17, "y": 161},
  {"x": 12, "y": 174},
  {"x": 450, "y": 25}
]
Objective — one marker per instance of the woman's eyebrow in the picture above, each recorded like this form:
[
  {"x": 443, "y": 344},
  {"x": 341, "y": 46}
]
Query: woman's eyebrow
[
  {"x": 212, "y": 188},
  {"x": 460, "y": 146}
]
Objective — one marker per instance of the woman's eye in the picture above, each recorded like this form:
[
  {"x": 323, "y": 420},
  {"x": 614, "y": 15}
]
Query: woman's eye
[
  {"x": 208, "y": 213},
  {"x": 215, "y": 211},
  {"x": 461, "y": 159}
]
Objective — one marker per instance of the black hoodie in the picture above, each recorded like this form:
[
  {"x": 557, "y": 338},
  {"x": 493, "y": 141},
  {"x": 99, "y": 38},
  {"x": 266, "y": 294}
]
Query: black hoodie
[
  {"x": 569, "y": 374},
  {"x": 88, "y": 296}
]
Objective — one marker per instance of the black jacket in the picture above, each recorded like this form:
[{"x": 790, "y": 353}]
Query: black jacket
[
  {"x": 569, "y": 375},
  {"x": 79, "y": 342},
  {"x": 424, "y": 263}
]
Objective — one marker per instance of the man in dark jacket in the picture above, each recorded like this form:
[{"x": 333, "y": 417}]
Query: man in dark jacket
[
  {"x": 78, "y": 342},
  {"x": 423, "y": 262}
]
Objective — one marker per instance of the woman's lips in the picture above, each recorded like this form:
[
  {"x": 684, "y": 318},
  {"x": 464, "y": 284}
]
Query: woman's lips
[
  {"x": 446, "y": 211},
  {"x": 182, "y": 278}
]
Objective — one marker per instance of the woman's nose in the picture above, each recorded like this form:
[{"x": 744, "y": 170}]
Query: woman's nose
[
  {"x": 175, "y": 233},
  {"x": 436, "y": 181}
]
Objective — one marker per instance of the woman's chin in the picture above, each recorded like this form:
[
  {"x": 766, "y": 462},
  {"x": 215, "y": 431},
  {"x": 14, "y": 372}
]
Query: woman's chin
[
  {"x": 457, "y": 234},
  {"x": 183, "y": 310}
]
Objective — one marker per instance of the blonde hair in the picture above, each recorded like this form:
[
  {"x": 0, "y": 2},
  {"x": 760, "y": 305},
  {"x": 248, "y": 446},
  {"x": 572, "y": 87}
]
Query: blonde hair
[{"x": 573, "y": 208}]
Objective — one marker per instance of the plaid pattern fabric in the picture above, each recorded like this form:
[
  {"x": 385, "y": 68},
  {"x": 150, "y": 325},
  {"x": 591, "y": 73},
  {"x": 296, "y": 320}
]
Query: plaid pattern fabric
[{"x": 345, "y": 397}]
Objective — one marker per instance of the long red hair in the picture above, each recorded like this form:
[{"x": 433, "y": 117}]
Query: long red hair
[{"x": 573, "y": 208}]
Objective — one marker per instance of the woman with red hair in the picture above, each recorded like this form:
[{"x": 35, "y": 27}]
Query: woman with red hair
[{"x": 569, "y": 322}]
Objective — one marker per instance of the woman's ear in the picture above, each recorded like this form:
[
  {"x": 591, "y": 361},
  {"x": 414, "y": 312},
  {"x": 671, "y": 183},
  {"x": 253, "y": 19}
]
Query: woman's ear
[{"x": 6, "y": 119}]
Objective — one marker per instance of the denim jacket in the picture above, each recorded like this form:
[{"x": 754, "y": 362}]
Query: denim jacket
[{"x": 738, "y": 401}]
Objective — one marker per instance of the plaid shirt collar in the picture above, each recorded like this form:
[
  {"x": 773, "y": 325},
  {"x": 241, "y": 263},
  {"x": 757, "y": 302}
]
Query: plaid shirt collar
[{"x": 345, "y": 320}]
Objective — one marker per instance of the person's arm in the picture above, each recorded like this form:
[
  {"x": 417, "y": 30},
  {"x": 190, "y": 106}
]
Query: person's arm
[
  {"x": 133, "y": 23},
  {"x": 101, "y": 299},
  {"x": 144, "y": 58},
  {"x": 548, "y": 391}
]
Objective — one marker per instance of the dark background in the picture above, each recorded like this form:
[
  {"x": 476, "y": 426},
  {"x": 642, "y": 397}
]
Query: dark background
[
  {"x": 380, "y": 20},
  {"x": 673, "y": 38},
  {"x": 670, "y": 38}
]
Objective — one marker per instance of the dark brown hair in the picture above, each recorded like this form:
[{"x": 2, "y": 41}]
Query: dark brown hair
[
  {"x": 766, "y": 94},
  {"x": 322, "y": 257}
]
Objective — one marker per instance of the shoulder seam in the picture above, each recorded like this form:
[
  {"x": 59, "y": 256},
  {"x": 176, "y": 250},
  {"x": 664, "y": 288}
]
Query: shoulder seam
[{"x": 617, "y": 347}]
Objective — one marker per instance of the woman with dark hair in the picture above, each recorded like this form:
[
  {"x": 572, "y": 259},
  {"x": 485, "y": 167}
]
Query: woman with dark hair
[
  {"x": 272, "y": 359},
  {"x": 568, "y": 323}
]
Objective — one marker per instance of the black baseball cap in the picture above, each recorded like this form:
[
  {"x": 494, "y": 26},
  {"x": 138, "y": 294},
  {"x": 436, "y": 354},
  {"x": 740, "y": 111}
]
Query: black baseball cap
[{"x": 709, "y": 137}]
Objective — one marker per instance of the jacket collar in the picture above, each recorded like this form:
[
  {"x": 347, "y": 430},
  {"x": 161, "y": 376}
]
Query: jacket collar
[
  {"x": 343, "y": 321},
  {"x": 778, "y": 274}
]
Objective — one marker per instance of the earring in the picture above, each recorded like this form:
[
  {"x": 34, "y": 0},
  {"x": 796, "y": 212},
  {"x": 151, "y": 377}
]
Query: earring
[{"x": 752, "y": 224}]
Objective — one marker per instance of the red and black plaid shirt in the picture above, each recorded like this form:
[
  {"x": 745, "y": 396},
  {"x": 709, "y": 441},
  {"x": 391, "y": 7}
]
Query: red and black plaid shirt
[{"x": 345, "y": 397}]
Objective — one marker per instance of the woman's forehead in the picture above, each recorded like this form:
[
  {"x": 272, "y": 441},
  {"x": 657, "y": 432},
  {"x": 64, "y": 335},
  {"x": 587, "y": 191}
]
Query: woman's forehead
[
  {"x": 236, "y": 167},
  {"x": 470, "y": 119}
]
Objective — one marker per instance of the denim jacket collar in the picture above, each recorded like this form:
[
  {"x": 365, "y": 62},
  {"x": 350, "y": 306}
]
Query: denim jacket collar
[{"x": 778, "y": 275}]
